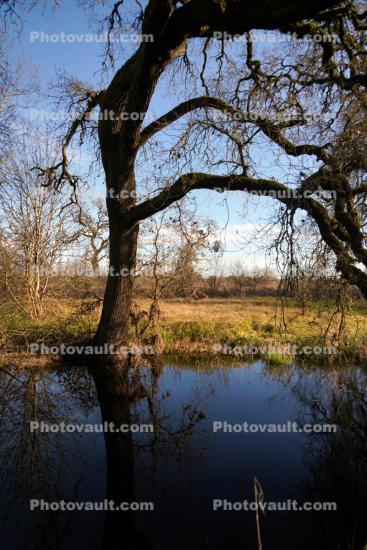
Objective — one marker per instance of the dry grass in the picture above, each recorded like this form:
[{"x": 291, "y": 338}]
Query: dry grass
[
  {"x": 257, "y": 321},
  {"x": 197, "y": 326},
  {"x": 260, "y": 313}
]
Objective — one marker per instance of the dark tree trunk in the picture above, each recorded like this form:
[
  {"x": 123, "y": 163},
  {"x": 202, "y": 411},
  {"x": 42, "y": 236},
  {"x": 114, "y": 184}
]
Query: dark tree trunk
[
  {"x": 114, "y": 323},
  {"x": 118, "y": 157},
  {"x": 116, "y": 395}
]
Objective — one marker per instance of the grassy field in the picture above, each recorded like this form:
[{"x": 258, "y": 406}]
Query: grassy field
[
  {"x": 260, "y": 321},
  {"x": 199, "y": 326}
]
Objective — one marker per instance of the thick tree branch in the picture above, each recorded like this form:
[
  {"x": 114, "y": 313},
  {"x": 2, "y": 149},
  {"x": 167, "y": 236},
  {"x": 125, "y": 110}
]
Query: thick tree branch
[
  {"x": 332, "y": 233},
  {"x": 179, "y": 111},
  {"x": 133, "y": 85},
  {"x": 200, "y": 18},
  {"x": 271, "y": 130},
  {"x": 198, "y": 180}
]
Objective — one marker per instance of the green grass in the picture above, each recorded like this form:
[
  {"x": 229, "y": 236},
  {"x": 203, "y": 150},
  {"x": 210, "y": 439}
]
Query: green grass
[
  {"x": 278, "y": 360},
  {"x": 197, "y": 327}
]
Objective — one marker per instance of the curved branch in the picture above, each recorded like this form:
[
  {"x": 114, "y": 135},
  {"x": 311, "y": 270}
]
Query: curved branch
[
  {"x": 179, "y": 111},
  {"x": 198, "y": 180},
  {"x": 200, "y": 18},
  {"x": 330, "y": 230},
  {"x": 59, "y": 173},
  {"x": 271, "y": 130}
]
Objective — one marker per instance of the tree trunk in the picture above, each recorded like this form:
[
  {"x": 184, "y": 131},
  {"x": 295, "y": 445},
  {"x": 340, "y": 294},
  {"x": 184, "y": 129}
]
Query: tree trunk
[
  {"x": 116, "y": 396},
  {"x": 114, "y": 323}
]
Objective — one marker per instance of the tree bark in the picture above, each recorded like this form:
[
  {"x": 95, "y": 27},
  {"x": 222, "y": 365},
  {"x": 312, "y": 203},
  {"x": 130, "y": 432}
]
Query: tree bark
[{"x": 114, "y": 323}]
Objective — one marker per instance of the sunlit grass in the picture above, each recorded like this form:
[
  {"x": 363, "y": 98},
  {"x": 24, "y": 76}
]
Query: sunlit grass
[{"x": 197, "y": 326}]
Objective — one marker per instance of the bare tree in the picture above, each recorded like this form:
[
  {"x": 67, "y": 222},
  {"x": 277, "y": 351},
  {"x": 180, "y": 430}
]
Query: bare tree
[
  {"x": 169, "y": 245},
  {"x": 122, "y": 139},
  {"x": 36, "y": 228},
  {"x": 93, "y": 229},
  {"x": 216, "y": 268}
]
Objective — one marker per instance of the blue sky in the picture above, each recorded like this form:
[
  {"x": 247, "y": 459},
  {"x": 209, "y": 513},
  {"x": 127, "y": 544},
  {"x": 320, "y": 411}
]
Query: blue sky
[{"x": 84, "y": 61}]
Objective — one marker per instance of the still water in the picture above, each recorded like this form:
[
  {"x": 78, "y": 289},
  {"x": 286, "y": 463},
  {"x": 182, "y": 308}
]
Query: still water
[{"x": 184, "y": 465}]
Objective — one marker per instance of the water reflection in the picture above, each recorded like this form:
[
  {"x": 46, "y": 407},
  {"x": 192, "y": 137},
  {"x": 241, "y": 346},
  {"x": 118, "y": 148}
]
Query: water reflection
[
  {"x": 182, "y": 465},
  {"x": 126, "y": 395},
  {"x": 36, "y": 464},
  {"x": 336, "y": 465}
]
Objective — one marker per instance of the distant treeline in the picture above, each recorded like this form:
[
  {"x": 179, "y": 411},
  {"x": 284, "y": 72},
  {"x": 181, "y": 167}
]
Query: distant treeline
[{"x": 194, "y": 286}]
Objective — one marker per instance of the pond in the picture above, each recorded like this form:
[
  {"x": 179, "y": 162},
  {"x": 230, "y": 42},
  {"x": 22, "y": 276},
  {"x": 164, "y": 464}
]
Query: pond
[{"x": 207, "y": 445}]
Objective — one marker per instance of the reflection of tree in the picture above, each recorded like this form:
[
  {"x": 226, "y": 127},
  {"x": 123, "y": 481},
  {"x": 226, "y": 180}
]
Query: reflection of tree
[
  {"x": 34, "y": 464},
  {"x": 336, "y": 462},
  {"x": 114, "y": 398},
  {"x": 50, "y": 466},
  {"x": 126, "y": 394}
]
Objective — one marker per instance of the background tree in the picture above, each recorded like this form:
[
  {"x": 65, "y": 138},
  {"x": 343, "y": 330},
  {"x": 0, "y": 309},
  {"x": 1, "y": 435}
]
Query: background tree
[
  {"x": 170, "y": 245},
  {"x": 92, "y": 221},
  {"x": 36, "y": 228}
]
